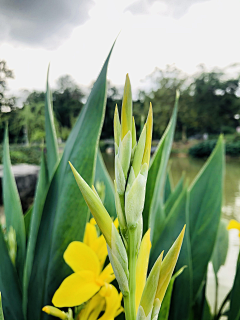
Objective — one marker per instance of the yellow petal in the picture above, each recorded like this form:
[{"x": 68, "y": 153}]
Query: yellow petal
[
  {"x": 116, "y": 223},
  {"x": 107, "y": 275},
  {"x": 93, "y": 308},
  {"x": 126, "y": 113},
  {"x": 99, "y": 246},
  {"x": 149, "y": 124},
  {"x": 113, "y": 302},
  {"x": 233, "y": 224},
  {"x": 81, "y": 257},
  {"x": 55, "y": 312},
  {"x": 76, "y": 289},
  {"x": 90, "y": 234},
  {"x": 142, "y": 266}
]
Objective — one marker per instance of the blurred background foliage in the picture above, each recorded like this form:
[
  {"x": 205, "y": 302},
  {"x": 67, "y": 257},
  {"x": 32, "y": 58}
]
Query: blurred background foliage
[{"x": 209, "y": 104}]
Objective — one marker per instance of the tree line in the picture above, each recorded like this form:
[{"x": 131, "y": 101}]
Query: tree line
[{"x": 209, "y": 103}]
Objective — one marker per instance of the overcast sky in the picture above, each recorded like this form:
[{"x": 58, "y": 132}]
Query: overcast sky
[{"x": 75, "y": 37}]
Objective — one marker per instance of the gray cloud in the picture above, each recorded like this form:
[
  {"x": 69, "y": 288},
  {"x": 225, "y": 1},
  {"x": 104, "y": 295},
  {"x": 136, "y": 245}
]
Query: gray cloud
[
  {"x": 41, "y": 22},
  {"x": 175, "y": 8}
]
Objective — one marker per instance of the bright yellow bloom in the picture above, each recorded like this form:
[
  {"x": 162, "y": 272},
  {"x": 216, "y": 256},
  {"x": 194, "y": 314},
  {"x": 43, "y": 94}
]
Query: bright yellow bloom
[
  {"x": 86, "y": 260},
  {"x": 108, "y": 300},
  {"x": 233, "y": 224}
]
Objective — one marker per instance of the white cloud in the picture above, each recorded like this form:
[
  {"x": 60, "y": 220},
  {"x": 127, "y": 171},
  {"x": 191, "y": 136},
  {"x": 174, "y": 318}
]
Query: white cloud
[{"x": 207, "y": 33}]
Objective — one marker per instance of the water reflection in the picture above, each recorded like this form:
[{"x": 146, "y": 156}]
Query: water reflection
[
  {"x": 231, "y": 197},
  {"x": 191, "y": 167}
]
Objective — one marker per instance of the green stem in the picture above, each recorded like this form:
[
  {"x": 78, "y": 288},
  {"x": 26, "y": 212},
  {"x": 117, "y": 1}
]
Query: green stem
[
  {"x": 132, "y": 259},
  {"x": 216, "y": 295}
]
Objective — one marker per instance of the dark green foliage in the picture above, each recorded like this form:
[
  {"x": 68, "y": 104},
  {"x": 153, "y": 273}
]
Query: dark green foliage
[
  {"x": 204, "y": 149},
  {"x": 22, "y": 154}
]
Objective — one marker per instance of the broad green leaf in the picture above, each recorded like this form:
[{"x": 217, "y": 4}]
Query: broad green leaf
[
  {"x": 36, "y": 215},
  {"x": 157, "y": 176},
  {"x": 221, "y": 247},
  {"x": 174, "y": 196},
  {"x": 65, "y": 212},
  {"x": 177, "y": 218},
  {"x": 205, "y": 200},
  {"x": 9, "y": 285},
  {"x": 51, "y": 137},
  {"x": 102, "y": 176},
  {"x": 1, "y": 310},
  {"x": 168, "y": 186},
  {"x": 164, "y": 311},
  {"x": 234, "y": 312},
  {"x": 13, "y": 208}
]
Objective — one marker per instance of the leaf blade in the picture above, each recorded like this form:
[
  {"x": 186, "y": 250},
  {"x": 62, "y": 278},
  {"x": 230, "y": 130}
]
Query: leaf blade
[
  {"x": 51, "y": 137},
  {"x": 62, "y": 221},
  {"x": 157, "y": 175},
  {"x": 12, "y": 207},
  {"x": 205, "y": 200}
]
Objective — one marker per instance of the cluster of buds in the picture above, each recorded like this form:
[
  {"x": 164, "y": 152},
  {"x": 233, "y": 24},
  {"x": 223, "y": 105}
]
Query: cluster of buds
[
  {"x": 131, "y": 166},
  {"x": 128, "y": 251}
]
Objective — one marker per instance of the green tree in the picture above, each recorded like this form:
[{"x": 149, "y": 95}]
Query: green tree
[
  {"x": 215, "y": 100},
  {"x": 8, "y": 109},
  {"x": 162, "y": 96},
  {"x": 113, "y": 99},
  {"x": 67, "y": 101}
]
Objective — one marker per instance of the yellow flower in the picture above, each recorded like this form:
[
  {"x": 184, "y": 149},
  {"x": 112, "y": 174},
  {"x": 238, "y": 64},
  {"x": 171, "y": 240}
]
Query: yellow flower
[
  {"x": 86, "y": 260},
  {"x": 233, "y": 224},
  {"x": 108, "y": 300}
]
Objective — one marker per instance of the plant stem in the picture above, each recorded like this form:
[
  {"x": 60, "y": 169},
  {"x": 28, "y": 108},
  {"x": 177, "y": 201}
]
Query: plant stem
[
  {"x": 132, "y": 259},
  {"x": 216, "y": 295}
]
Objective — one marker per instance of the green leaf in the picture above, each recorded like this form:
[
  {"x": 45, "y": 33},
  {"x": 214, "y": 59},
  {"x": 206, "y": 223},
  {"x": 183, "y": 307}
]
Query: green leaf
[
  {"x": 65, "y": 212},
  {"x": 177, "y": 218},
  {"x": 51, "y": 137},
  {"x": 168, "y": 186},
  {"x": 12, "y": 207},
  {"x": 205, "y": 200},
  {"x": 164, "y": 311},
  {"x": 174, "y": 196},
  {"x": 200, "y": 308},
  {"x": 157, "y": 176},
  {"x": 27, "y": 221},
  {"x": 37, "y": 209},
  {"x": 234, "y": 312},
  {"x": 102, "y": 176},
  {"x": 1, "y": 310},
  {"x": 221, "y": 247},
  {"x": 9, "y": 284}
]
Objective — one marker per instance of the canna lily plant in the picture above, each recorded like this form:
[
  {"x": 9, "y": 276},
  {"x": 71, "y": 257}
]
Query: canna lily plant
[{"x": 129, "y": 251}]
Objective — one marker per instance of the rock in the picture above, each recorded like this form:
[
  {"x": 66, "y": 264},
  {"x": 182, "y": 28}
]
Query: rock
[{"x": 26, "y": 176}]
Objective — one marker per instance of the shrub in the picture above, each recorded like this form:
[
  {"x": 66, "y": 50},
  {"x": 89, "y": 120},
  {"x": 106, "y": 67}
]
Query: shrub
[
  {"x": 204, "y": 149},
  {"x": 23, "y": 154}
]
